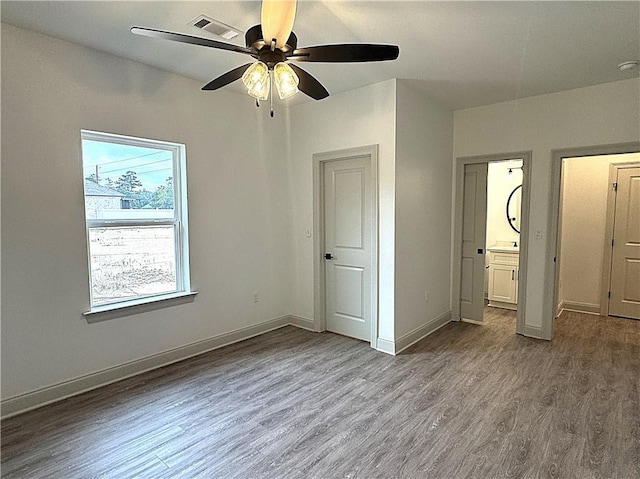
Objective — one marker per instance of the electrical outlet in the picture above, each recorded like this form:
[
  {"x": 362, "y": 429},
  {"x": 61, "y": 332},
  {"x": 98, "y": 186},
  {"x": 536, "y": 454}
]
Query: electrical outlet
[{"x": 256, "y": 297}]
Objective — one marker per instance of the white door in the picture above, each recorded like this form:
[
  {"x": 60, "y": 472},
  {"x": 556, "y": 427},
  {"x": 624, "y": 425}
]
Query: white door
[
  {"x": 474, "y": 228},
  {"x": 348, "y": 209},
  {"x": 625, "y": 260}
]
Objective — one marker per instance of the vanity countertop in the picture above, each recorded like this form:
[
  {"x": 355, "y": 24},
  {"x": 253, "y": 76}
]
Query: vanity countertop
[{"x": 504, "y": 249}]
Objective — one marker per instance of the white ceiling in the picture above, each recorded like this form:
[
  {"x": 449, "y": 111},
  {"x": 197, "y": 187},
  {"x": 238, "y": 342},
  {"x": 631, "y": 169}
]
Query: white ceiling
[{"x": 462, "y": 53}]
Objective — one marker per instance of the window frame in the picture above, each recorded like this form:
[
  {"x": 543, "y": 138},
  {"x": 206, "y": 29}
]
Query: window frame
[{"x": 179, "y": 222}]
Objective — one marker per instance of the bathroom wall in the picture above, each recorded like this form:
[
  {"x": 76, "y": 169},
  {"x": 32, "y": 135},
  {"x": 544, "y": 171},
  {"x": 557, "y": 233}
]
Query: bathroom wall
[{"x": 500, "y": 184}]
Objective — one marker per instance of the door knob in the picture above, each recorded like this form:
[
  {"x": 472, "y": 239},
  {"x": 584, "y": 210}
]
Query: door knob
[{"x": 328, "y": 256}]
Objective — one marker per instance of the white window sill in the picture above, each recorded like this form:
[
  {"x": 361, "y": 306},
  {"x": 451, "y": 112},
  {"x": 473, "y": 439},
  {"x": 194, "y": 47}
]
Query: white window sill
[{"x": 143, "y": 305}]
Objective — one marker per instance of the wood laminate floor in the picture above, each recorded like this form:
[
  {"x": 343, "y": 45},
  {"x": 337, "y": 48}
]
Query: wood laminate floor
[{"x": 466, "y": 402}]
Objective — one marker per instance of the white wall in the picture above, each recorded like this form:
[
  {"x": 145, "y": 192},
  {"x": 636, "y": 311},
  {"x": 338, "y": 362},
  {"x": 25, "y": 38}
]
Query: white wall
[
  {"x": 355, "y": 118},
  {"x": 238, "y": 208},
  {"x": 250, "y": 197},
  {"x": 424, "y": 148},
  {"x": 601, "y": 114},
  {"x": 584, "y": 208}
]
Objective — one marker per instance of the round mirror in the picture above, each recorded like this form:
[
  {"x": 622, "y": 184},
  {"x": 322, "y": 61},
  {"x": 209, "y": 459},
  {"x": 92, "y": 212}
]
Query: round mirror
[{"x": 513, "y": 208}]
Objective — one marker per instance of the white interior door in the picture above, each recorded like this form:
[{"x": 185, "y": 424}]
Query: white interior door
[
  {"x": 348, "y": 207},
  {"x": 474, "y": 230},
  {"x": 625, "y": 261}
]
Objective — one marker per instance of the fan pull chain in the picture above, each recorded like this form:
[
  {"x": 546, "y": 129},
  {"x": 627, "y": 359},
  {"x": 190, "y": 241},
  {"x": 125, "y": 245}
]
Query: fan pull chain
[
  {"x": 271, "y": 92},
  {"x": 257, "y": 103}
]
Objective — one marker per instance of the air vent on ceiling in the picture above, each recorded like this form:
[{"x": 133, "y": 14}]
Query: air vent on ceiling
[{"x": 210, "y": 25}]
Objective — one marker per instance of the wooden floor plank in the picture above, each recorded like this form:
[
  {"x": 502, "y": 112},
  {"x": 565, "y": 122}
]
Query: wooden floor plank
[{"x": 468, "y": 401}]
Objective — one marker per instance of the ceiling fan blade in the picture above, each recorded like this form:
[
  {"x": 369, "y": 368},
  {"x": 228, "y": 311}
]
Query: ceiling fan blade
[
  {"x": 227, "y": 78},
  {"x": 345, "y": 53},
  {"x": 277, "y": 20},
  {"x": 181, "y": 37},
  {"x": 309, "y": 85}
]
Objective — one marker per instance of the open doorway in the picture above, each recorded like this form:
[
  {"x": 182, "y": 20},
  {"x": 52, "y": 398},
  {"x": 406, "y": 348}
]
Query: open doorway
[
  {"x": 550, "y": 307},
  {"x": 598, "y": 252},
  {"x": 504, "y": 218},
  {"x": 490, "y": 231}
]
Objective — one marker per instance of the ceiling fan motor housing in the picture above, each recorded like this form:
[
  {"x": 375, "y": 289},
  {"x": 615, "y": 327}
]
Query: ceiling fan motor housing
[{"x": 253, "y": 39}]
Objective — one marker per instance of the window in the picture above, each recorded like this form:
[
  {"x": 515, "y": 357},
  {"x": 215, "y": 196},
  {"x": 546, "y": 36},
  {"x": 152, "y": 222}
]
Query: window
[{"x": 136, "y": 219}]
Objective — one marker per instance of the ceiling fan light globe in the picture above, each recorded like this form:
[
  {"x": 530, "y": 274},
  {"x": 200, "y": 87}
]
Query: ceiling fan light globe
[
  {"x": 257, "y": 80},
  {"x": 286, "y": 80},
  {"x": 261, "y": 90},
  {"x": 255, "y": 74}
]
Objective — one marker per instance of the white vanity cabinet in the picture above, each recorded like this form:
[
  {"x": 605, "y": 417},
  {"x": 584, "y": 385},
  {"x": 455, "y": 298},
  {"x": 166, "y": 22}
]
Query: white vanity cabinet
[{"x": 503, "y": 276}]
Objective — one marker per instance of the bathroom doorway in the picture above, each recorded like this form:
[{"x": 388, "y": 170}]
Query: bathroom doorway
[
  {"x": 490, "y": 231},
  {"x": 504, "y": 218}
]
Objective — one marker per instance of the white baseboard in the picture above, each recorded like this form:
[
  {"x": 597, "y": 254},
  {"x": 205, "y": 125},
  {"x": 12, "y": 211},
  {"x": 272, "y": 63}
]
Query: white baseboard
[
  {"x": 472, "y": 321},
  {"x": 503, "y": 305},
  {"x": 412, "y": 337},
  {"x": 533, "y": 332},
  {"x": 578, "y": 307},
  {"x": 417, "y": 334},
  {"x": 386, "y": 346},
  {"x": 303, "y": 323},
  {"x": 41, "y": 397}
]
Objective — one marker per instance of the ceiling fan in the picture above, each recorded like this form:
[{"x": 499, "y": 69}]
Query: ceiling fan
[{"x": 274, "y": 45}]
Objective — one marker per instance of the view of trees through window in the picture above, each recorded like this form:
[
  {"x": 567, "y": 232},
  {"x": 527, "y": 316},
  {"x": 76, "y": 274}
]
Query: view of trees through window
[
  {"x": 131, "y": 219},
  {"x": 143, "y": 175},
  {"x": 130, "y": 185}
]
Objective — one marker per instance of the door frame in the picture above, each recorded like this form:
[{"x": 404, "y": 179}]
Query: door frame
[
  {"x": 319, "y": 285},
  {"x": 550, "y": 303},
  {"x": 608, "y": 234},
  {"x": 456, "y": 276}
]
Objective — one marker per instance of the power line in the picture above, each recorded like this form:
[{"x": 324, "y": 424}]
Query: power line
[
  {"x": 136, "y": 167},
  {"x": 154, "y": 171},
  {"x": 125, "y": 159}
]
